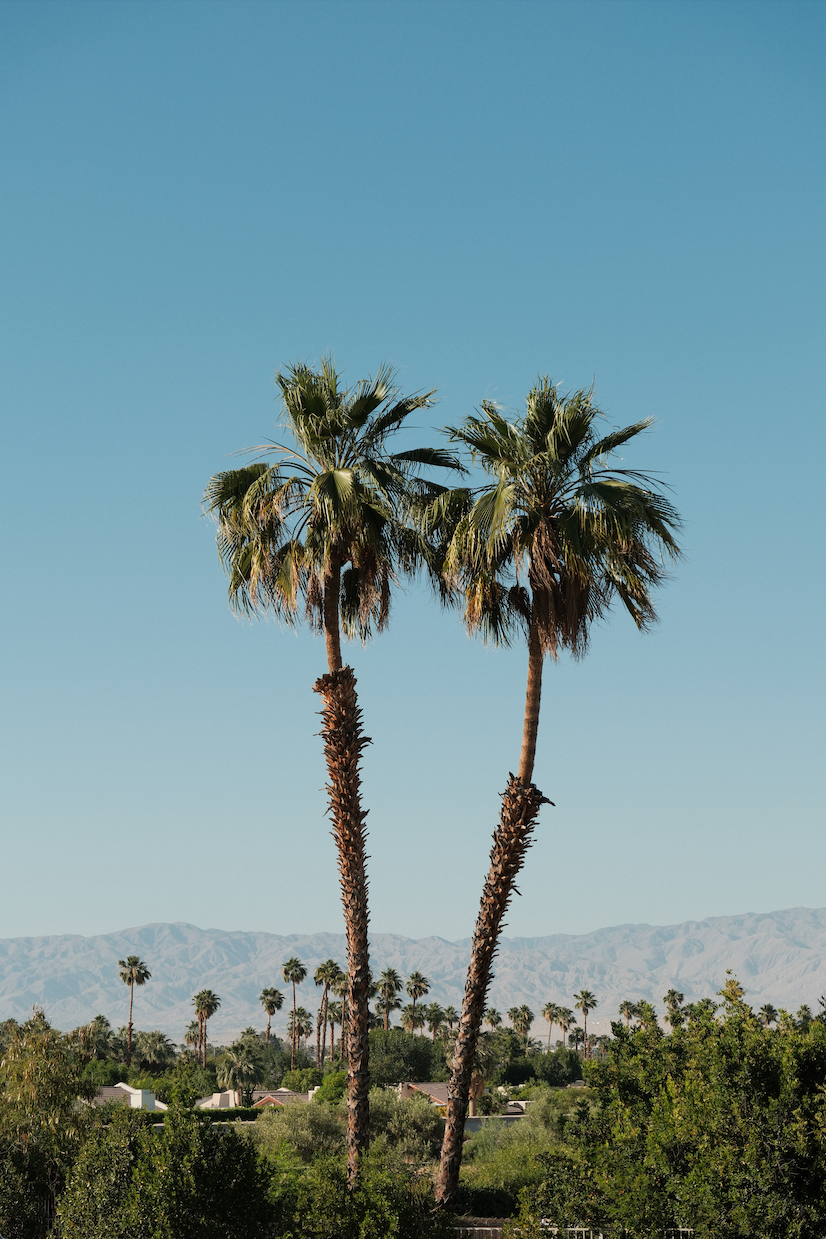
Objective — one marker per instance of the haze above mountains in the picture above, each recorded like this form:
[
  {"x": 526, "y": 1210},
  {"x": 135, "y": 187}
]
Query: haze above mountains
[{"x": 779, "y": 957}]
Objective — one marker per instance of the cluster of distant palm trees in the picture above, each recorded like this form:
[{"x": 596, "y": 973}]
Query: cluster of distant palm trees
[{"x": 330, "y": 523}]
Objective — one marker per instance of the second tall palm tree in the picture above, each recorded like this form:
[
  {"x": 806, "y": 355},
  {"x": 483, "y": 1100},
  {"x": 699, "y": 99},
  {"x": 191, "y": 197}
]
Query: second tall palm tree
[{"x": 548, "y": 544}]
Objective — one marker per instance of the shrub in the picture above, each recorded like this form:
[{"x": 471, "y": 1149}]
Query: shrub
[
  {"x": 397, "y": 1056},
  {"x": 189, "y": 1182},
  {"x": 298, "y": 1132},
  {"x": 411, "y": 1127},
  {"x": 388, "y": 1203},
  {"x": 302, "y": 1081},
  {"x": 333, "y": 1088}
]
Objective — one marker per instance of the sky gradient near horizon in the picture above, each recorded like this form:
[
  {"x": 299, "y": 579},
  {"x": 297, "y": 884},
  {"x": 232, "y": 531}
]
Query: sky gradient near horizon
[{"x": 629, "y": 194}]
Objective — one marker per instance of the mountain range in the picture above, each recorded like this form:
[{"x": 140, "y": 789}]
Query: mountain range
[{"x": 780, "y": 957}]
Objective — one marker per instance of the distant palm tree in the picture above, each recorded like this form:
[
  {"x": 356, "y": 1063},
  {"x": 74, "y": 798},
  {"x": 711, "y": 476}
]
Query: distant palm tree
[
  {"x": 333, "y": 1018},
  {"x": 390, "y": 986},
  {"x": 493, "y": 1018},
  {"x": 417, "y": 986},
  {"x": 767, "y": 1014},
  {"x": 192, "y": 1036},
  {"x": 154, "y": 1049},
  {"x": 271, "y": 1000},
  {"x": 206, "y": 1003},
  {"x": 294, "y": 973},
  {"x": 576, "y": 1038},
  {"x": 628, "y": 1010},
  {"x": 673, "y": 1007},
  {"x": 240, "y": 1071},
  {"x": 434, "y": 1017},
  {"x": 412, "y": 1017},
  {"x": 549, "y": 1011},
  {"x": 585, "y": 1002},
  {"x": 547, "y": 545},
  {"x": 133, "y": 971},
  {"x": 341, "y": 989},
  {"x": 805, "y": 1017},
  {"x": 565, "y": 1019},
  {"x": 324, "y": 975},
  {"x": 451, "y": 1016},
  {"x": 322, "y": 530}
]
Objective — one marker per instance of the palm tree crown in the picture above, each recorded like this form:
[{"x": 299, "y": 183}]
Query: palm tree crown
[
  {"x": 559, "y": 532},
  {"x": 322, "y": 523},
  {"x": 294, "y": 972},
  {"x": 417, "y": 986},
  {"x": 271, "y": 1000}
]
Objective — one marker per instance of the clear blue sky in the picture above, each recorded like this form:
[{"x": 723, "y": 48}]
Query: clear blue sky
[{"x": 194, "y": 194}]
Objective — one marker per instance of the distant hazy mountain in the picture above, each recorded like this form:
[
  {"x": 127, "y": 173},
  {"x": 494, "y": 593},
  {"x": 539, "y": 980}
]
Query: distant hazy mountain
[{"x": 779, "y": 957}]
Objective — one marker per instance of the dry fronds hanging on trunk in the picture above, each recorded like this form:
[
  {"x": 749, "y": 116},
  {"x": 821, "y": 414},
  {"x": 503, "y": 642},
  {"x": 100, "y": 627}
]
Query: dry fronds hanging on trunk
[
  {"x": 511, "y": 840},
  {"x": 343, "y": 743}
]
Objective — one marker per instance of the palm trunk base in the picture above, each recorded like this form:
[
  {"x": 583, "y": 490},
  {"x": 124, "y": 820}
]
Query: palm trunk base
[
  {"x": 513, "y": 836},
  {"x": 343, "y": 743}
]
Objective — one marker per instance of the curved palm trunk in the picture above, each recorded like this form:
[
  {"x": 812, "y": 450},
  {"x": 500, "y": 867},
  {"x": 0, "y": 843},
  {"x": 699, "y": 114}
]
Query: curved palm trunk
[
  {"x": 343, "y": 743},
  {"x": 533, "y": 696},
  {"x": 511, "y": 840}
]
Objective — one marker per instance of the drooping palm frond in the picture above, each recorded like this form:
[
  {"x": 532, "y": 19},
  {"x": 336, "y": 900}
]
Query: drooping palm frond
[
  {"x": 558, "y": 518},
  {"x": 337, "y": 498}
]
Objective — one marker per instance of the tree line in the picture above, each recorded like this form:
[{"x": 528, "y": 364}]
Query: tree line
[{"x": 327, "y": 525}]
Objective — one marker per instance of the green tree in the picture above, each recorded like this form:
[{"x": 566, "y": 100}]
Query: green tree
[
  {"x": 549, "y": 1012},
  {"x": 767, "y": 1014},
  {"x": 417, "y": 986},
  {"x": 324, "y": 975},
  {"x": 555, "y": 537},
  {"x": 585, "y": 1002},
  {"x": 271, "y": 1000},
  {"x": 206, "y": 1002},
  {"x": 627, "y": 1010},
  {"x": 673, "y": 1007},
  {"x": 294, "y": 972},
  {"x": 154, "y": 1049},
  {"x": 434, "y": 1018},
  {"x": 133, "y": 971},
  {"x": 492, "y": 1018},
  {"x": 323, "y": 529},
  {"x": 451, "y": 1016},
  {"x": 42, "y": 1124},
  {"x": 390, "y": 986}
]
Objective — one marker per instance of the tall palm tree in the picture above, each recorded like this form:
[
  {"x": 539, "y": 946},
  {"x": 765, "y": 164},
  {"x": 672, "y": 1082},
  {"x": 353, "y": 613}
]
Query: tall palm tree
[
  {"x": 412, "y": 1017},
  {"x": 628, "y": 1010},
  {"x": 565, "y": 1018},
  {"x": 673, "y": 1007},
  {"x": 321, "y": 529},
  {"x": 333, "y": 1018},
  {"x": 555, "y": 537},
  {"x": 324, "y": 975},
  {"x": 390, "y": 986},
  {"x": 526, "y": 1019},
  {"x": 767, "y": 1014},
  {"x": 451, "y": 1015},
  {"x": 294, "y": 972},
  {"x": 492, "y": 1018},
  {"x": 206, "y": 1003},
  {"x": 271, "y": 1000},
  {"x": 133, "y": 971},
  {"x": 585, "y": 1002},
  {"x": 192, "y": 1036},
  {"x": 549, "y": 1011},
  {"x": 417, "y": 986},
  {"x": 434, "y": 1018}
]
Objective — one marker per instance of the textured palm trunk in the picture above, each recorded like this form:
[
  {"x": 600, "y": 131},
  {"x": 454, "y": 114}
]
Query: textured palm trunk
[
  {"x": 520, "y": 808},
  {"x": 533, "y": 697},
  {"x": 343, "y": 743},
  {"x": 129, "y": 1025},
  {"x": 323, "y": 1024},
  {"x": 268, "y": 1028}
]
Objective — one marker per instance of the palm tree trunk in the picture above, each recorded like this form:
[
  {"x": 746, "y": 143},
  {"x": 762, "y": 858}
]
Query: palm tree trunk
[
  {"x": 343, "y": 743},
  {"x": 129, "y": 1025},
  {"x": 268, "y": 1028},
  {"x": 533, "y": 696},
  {"x": 332, "y": 635},
  {"x": 323, "y": 1024},
  {"x": 332, "y": 1043},
  {"x": 511, "y": 840},
  {"x": 292, "y": 1038}
]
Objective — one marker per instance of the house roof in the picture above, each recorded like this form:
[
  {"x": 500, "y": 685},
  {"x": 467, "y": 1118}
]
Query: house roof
[{"x": 436, "y": 1091}]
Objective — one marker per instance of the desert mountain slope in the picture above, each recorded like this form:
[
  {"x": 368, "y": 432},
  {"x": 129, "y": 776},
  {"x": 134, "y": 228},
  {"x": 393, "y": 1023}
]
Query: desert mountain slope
[{"x": 779, "y": 957}]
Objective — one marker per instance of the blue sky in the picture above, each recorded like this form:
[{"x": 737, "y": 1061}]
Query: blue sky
[{"x": 194, "y": 195}]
